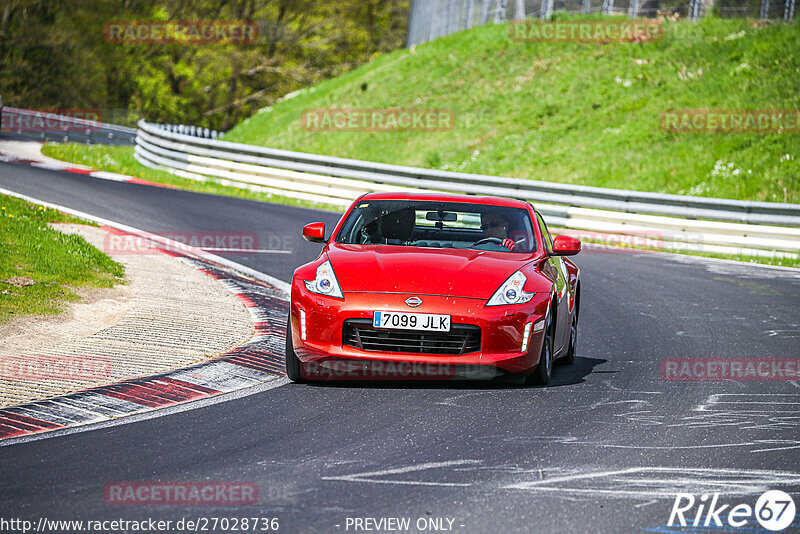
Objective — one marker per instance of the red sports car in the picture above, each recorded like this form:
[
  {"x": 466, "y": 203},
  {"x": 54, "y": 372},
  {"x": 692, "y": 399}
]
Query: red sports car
[{"x": 434, "y": 286}]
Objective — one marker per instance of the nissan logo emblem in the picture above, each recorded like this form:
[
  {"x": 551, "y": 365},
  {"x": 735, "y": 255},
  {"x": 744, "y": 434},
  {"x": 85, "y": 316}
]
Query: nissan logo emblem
[{"x": 413, "y": 301}]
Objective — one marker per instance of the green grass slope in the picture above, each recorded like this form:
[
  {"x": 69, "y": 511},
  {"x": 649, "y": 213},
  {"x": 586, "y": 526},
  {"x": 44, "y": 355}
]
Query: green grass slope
[
  {"x": 572, "y": 113},
  {"x": 40, "y": 267}
]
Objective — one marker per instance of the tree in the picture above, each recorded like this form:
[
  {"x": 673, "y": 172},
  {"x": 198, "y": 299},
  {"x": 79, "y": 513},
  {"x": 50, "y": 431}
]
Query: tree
[{"x": 53, "y": 54}]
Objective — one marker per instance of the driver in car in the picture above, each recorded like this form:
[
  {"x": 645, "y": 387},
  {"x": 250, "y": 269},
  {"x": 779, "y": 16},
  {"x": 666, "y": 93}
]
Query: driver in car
[{"x": 495, "y": 225}]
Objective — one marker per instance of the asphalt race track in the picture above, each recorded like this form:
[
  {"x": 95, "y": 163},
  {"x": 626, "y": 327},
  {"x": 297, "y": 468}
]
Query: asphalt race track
[{"x": 603, "y": 449}]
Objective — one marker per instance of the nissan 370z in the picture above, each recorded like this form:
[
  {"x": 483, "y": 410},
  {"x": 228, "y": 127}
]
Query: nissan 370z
[{"x": 434, "y": 286}]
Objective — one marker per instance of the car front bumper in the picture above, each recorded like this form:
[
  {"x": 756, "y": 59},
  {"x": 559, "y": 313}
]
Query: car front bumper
[{"x": 324, "y": 355}]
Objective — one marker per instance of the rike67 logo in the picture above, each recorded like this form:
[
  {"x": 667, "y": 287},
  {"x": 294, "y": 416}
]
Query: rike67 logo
[{"x": 774, "y": 510}]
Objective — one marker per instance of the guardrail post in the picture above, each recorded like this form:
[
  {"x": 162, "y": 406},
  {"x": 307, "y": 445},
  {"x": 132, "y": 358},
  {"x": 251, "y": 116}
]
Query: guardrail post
[
  {"x": 587, "y": 7},
  {"x": 633, "y": 10},
  {"x": 788, "y": 11},
  {"x": 764, "y": 9},
  {"x": 608, "y": 7}
]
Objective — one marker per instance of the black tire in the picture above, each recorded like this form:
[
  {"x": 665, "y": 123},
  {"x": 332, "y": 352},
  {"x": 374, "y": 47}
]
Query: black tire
[
  {"x": 573, "y": 339},
  {"x": 544, "y": 370},
  {"x": 292, "y": 361}
]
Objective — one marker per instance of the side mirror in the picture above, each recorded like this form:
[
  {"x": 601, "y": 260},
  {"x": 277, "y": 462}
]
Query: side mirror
[
  {"x": 314, "y": 232},
  {"x": 564, "y": 245}
]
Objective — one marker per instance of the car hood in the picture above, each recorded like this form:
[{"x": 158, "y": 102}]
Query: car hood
[{"x": 396, "y": 269}]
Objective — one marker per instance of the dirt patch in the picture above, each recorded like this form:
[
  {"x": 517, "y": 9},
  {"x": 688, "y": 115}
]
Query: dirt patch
[
  {"x": 98, "y": 308},
  {"x": 19, "y": 281},
  {"x": 167, "y": 315}
]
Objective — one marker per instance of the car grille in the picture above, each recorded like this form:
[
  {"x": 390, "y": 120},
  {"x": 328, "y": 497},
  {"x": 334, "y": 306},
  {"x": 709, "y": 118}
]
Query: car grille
[{"x": 461, "y": 339}]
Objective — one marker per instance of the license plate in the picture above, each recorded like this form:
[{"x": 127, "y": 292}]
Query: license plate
[{"x": 411, "y": 321}]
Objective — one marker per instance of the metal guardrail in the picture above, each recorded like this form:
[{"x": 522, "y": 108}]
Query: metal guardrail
[
  {"x": 727, "y": 226},
  {"x": 195, "y": 131},
  {"x": 549, "y": 192},
  {"x": 33, "y": 124}
]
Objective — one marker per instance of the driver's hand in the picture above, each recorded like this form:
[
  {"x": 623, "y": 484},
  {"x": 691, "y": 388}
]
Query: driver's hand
[{"x": 508, "y": 243}]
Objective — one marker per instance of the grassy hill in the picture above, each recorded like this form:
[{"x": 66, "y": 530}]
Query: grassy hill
[{"x": 573, "y": 113}]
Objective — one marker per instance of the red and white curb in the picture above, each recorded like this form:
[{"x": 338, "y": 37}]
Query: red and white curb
[
  {"x": 258, "y": 361},
  {"x": 66, "y": 167}
]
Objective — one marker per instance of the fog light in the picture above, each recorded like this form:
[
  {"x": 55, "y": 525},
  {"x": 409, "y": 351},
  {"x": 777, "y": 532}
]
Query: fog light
[
  {"x": 302, "y": 325},
  {"x": 525, "y": 335},
  {"x": 539, "y": 326}
]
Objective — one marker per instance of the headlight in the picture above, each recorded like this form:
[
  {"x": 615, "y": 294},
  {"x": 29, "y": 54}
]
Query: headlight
[
  {"x": 511, "y": 292},
  {"x": 325, "y": 283}
]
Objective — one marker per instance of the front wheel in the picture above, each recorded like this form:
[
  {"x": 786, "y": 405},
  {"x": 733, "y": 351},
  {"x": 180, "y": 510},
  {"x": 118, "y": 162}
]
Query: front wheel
[
  {"x": 541, "y": 375},
  {"x": 292, "y": 361}
]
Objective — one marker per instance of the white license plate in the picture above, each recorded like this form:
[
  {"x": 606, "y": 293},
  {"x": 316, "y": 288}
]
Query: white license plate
[{"x": 411, "y": 321}]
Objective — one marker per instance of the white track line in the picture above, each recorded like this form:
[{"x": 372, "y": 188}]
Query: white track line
[
  {"x": 366, "y": 476},
  {"x": 248, "y": 250}
]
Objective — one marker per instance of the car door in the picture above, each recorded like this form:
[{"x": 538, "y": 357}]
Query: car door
[{"x": 556, "y": 270}]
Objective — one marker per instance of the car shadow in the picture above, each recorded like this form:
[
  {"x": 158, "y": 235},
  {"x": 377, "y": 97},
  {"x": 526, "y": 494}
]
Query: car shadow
[
  {"x": 563, "y": 375},
  {"x": 576, "y": 373}
]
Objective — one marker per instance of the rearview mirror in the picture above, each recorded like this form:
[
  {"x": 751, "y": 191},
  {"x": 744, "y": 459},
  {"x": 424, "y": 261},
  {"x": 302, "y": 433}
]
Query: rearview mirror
[
  {"x": 314, "y": 232},
  {"x": 446, "y": 216},
  {"x": 564, "y": 245}
]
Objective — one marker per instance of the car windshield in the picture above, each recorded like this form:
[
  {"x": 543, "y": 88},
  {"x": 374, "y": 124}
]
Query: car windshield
[{"x": 431, "y": 224}]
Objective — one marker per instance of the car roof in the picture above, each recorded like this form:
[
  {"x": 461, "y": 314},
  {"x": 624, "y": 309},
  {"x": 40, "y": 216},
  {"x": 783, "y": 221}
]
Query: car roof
[{"x": 448, "y": 197}]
